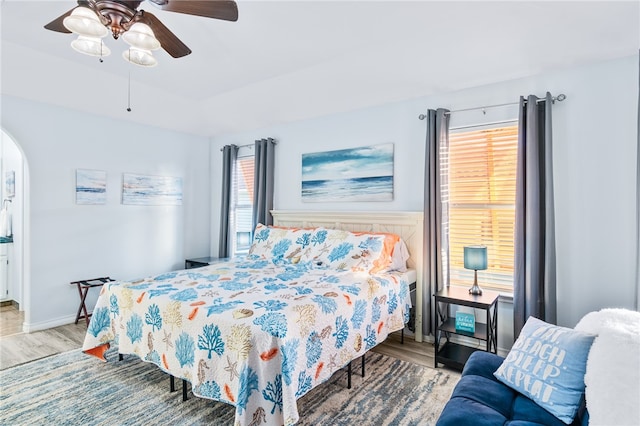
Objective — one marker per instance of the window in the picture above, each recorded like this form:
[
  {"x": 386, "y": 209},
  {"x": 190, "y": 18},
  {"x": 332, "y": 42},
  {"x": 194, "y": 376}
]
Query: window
[
  {"x": 242, "y": 211},
  {"x": 481, "y": 195}
]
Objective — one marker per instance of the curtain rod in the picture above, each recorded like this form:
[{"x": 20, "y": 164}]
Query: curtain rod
[
  {"x": 561, "y": 97},
  {"x": 249, "y": 145}
]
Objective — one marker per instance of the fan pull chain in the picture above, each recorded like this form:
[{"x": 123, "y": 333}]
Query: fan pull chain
[
  {"x": 129, "y": 88},
  {"x": 101, "y": 44}
]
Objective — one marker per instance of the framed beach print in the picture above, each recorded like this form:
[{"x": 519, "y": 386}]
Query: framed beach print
[
  {"x": 354, "y": 174},
  {"x": 10, "y": 184},
  {"x": 144, "y": 190},
  {"x": 91, "y": 186}
]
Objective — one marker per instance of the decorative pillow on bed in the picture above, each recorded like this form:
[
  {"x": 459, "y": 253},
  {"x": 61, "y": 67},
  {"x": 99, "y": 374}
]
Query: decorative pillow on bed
[
  {"x": 399, "y": 257},
  {"x": 547, "y": 363},
  {"x": 281, "y": 245},
  {"x": 394, "y": 256},
  {"x": 356, "y": 251}
]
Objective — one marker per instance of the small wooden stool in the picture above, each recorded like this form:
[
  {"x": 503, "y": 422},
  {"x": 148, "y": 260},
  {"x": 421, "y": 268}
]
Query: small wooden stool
[{"x": 83, "y": 289}]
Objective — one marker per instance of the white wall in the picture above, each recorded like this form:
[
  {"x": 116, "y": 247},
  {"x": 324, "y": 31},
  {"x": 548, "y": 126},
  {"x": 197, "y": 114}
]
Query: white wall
[
  {"x": 68, "y": 242},
  {"x": 595, "y": 169},
  {"x": 595, "y": 143}
]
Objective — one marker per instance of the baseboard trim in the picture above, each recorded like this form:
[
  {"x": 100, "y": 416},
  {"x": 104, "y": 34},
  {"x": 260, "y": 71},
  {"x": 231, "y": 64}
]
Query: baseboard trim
[
  {"x": 44, "y": 325},
  {"x": 13, "y": 303},
  {"x": 426, "y": 338}
]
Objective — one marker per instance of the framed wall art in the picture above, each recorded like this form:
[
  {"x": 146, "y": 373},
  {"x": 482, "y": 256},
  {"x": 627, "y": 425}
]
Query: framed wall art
[
  {"x": 354, "y": 174},
  {"x": 91, "y": 186},
  {"x": 144, "y": 190},
  {"x": 10, "y": 184}
]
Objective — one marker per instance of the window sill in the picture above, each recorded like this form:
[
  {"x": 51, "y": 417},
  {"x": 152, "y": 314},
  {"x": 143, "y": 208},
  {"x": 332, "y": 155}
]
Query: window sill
[{"x": 506, "y": 297}]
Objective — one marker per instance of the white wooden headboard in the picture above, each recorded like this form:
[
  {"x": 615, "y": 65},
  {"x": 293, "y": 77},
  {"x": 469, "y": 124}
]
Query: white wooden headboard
[{"x": 408, "y": 225}]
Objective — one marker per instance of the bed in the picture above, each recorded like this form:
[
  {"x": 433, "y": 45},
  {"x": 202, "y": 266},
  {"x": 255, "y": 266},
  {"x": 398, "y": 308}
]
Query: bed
[{"x": 316, "y": 291}]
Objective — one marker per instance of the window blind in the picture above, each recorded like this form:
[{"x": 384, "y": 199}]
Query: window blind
[
  {"x": 243, "y": 203},
  {"x": 481, "y": 194}
]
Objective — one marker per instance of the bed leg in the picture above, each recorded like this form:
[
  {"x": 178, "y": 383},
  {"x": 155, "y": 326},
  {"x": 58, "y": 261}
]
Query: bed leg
[
  {"x": 120, "y": 357},
  {"x": 184, "y": 390},
  {"x": 349, "y": 376},
  {"x": 363, "y": 364},
  {"x": 172, "y": 383},
  {"x": 402, "y": 337}
]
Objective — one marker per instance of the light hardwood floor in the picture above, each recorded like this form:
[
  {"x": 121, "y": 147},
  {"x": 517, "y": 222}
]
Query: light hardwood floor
[{"x": 17, "y": 347}]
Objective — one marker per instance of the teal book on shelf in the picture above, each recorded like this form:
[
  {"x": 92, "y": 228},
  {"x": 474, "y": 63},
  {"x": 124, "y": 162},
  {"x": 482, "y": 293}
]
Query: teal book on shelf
[{"x": 465, "y": 322}]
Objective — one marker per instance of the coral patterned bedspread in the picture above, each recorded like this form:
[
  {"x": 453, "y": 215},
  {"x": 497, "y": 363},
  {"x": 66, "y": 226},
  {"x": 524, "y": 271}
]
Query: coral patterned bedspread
[{"x": 248, "y": 332}]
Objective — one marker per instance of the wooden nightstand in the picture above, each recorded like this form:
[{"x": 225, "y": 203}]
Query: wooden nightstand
[{"x": 453, "y": 354}]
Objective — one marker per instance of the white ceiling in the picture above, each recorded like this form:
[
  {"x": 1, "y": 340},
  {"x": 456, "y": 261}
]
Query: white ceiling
[{"x": 284, "y": 61}]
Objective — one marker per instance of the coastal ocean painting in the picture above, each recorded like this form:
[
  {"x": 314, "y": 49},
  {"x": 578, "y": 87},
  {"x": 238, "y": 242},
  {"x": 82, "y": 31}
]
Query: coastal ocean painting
[
  {"x": 143, "y": 190},
  {"x": 355, "y": 174},
  {"x": 91, "y": 186},
  {"x": 10, "y": 184}
]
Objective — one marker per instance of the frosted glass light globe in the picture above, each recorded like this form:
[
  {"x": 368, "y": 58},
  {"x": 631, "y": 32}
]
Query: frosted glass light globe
[
  {"x": 85, "y": 22},
  {"x": 91, "y": 46},
  {"x": 141, "y": 57},
  {"x": 141, "y": 36}
]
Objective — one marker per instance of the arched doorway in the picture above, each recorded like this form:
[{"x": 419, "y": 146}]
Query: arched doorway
[{"x": 14, "y": 189}]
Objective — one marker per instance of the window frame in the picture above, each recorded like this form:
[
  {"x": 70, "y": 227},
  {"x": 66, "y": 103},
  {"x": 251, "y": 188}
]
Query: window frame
[
  {"x": 499, "y": 276},
  {"x": 237, "y": 204}
]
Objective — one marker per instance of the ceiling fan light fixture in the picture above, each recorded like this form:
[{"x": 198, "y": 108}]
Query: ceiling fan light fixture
[
  {"x": 140, "y": 57},
  {"x": 85, "y": 22},
  {"x": 92, "y": 46},
  {"x": 141, "y": 37}
]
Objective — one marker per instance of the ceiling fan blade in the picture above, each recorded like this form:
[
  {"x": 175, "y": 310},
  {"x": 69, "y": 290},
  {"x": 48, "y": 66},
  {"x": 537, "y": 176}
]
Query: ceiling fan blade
[
  {"x": 56, "y": 24},
  {"x": 217, "y": 9},
  {"x": 168, "y": 40}
]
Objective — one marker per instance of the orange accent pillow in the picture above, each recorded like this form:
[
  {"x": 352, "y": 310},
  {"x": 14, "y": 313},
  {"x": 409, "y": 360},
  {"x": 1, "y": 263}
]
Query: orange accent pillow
[{"x": 385, "y": 260}]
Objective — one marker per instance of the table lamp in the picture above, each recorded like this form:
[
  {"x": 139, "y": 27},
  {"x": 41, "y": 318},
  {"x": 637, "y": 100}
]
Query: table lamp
[{"x": 475, "y": 257}]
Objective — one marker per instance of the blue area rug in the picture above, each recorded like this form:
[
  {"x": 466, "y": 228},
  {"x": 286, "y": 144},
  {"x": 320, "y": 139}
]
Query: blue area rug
[{"x": 76, "y": 389}]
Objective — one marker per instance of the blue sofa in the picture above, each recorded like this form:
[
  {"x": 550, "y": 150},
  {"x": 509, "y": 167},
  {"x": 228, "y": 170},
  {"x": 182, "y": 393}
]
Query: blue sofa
[{"x": 479, "y": 399}]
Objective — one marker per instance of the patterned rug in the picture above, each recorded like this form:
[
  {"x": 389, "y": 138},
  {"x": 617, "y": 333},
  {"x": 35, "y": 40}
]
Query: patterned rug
[{"x": 76, "y": 389}]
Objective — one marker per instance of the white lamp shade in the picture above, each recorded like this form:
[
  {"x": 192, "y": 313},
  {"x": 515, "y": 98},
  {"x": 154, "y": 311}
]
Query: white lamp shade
[
  {"x": 141, "y": 57},
  {"x": 141, "y": 36},
  {"x": 91, "y": 46},
  {"x": 85, "y": 22}
]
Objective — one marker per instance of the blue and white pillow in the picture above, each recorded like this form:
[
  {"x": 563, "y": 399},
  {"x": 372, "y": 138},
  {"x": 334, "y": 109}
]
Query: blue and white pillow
[
  {"x": 547, "y": 363},
  {"x": 345, "y": 250},
  {"x": 281, "y": 245}
]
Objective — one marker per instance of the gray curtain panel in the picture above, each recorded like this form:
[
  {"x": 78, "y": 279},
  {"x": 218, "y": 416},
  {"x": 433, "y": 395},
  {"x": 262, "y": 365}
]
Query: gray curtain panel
[
  {"x": 263, "y": 182},
  {"x": 534, "y": 286},
  {"x": 435, "y": 241},
  {"x": 229, "y": 156}
]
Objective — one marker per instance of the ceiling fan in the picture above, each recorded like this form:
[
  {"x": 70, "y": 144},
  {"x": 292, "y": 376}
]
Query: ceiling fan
[{"x": 94, "y": 19}]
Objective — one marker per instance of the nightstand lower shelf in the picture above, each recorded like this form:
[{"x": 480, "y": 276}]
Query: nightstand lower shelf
[{"x": 454, "y": 355}]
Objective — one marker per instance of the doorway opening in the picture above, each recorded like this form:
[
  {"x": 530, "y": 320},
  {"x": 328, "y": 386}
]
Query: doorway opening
[{"x": 13, "y": 234}]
